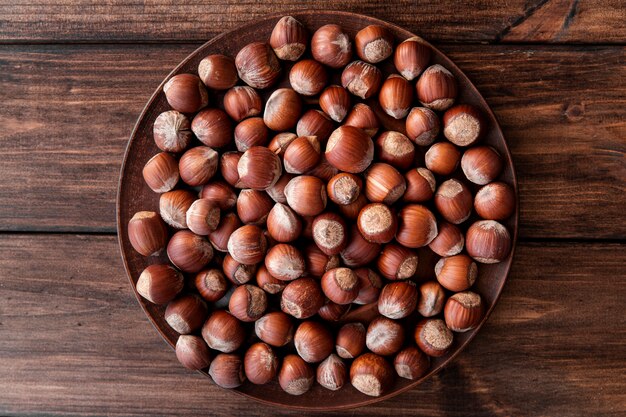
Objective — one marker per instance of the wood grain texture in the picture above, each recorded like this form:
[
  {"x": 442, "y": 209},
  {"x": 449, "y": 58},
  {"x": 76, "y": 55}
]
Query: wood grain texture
[
  {"x": 66, "y": 124},
  {"x": 449, "y": 20},
  {"x": 73, "y": 341}
]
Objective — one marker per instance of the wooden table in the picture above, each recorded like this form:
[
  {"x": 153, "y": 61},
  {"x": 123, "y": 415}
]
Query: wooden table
[{"x": 75, "y": 76}]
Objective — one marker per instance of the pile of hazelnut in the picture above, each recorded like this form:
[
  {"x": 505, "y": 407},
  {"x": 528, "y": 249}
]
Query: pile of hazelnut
[{"x": 279, "y": 216}]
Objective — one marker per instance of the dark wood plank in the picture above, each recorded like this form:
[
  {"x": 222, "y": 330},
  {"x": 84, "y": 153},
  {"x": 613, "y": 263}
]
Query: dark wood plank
[
  {"x": 456, "y": 21},
  {"x": 73, "y": 341},
  {"x": 66, "y": 124}
]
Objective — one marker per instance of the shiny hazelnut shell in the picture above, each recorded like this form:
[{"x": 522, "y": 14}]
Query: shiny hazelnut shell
[
  {"x": 172, "y": 131},
  {"x": 396, "y": 96},
  {"x": 332, "y": 373},
  {"x": 383, "y": 184},
  {"x": 349, "y": 149},
  {"x": 488, "y": 241},
  {"x": 463, "y": 311},
  {"x": 371, "y": 374},
  {"x": 250, "y": 132},
  {"x": 161, "y": 172},
  {"x": 456, "y": 273},
  {"x": 373, "y": 44},
  {"x": 253, "y": 206},
  {"x": 302, "y": 155},
  {"x": 308, "y": 77},
  {"x": 188, "y": 251},
  {"x": 226, "y": 370},
  {"x": 302, "y": 298},
  {"x": 257, "y": 65},
  {"x": 228, "y": 168},
  {"x": 442, "y": 158},
  {"x": 411, "y": 363},
  {"x": 313, "y": 341},
  {"x": 433, "y": 337},
  {"x": 173, "y": 206},
  {"x": 362, "y": 116},
  {"x": 288, "y": 39},
  {"x": 229, "y": 222},
  {"x": 296, "y": 376},
  {"x": 431, "y": 299},
  {"x": 397, "y": 262},
  {"x": 186, "y": 314},
  {"x": 420, "y": 185},
  {"x": 495, "y": 201},
  {"x": 260, "y": 364},
  {"x": 275, "y": 328},
  {"x": 370, "y": 285},
  {"x": 340, "y": 285},
  {"x": 361, "y": 79},
  {"x": 398, "y": 299},
  {"x": 306, "y": 195},
  {"x": 359, "y": 251},
  {"x": 344, "y": 188},
  {"x": 454, "y": 201},
  {"x": 422, "y": 126},
  {"x": 159, "y": 284},
  {"x": 241, "y": 102},
  {"x": 218, "y": 72},
  {"x": 198, "y": 165},
  {"x": 449, "y": 241},
  {"x": 481, "y": 164},
  {"x": 411, "y": 57},
  {"x": 315, "y": 123},
  {"x": 220, "y": 193},
  {"x": 436, "y": 88},
  {"x": 248, "y": 303},
  {"x": 259, "y": 168},
  {"x": 335, "y": 102},
  {"x": 384, "y": 336},
  {"x": 377, "y": 223},
  {"x": 192, "y": 352},
  {"x": 463, "y": 125},
  {"x": 267, "y": 282},
  {"x": 285, "y": 262},
  {"x": 282, "y": 110},
  {"x": 350, "y": 341},
  {"x": 186, "y": 93},
  {"x": 147, "y": 233},
  {"x": 213, "y": 128},
  {"x": 247, "y": 245},
  {"x": 417, "y": 226},
  {"x": 237, "y": 273},
  {"x": 283, "y": 224},
  {"x": 330, "y": 233},
  {"x": 395, "y": 149},
  {"x": 211, "y": 284},
  {"x": 331, "y": 46}
]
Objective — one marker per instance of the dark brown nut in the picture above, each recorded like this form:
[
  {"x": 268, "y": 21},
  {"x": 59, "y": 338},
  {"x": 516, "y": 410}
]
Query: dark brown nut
[
  {"x": 288, "y": 39},
  {"x": 431, "y": 299},
  {"x": 411, "y": 363},
  {"x": 397, "y": 262},
  {"x": 285, "y": 262},
  {"x": 302, "y": 298},
  {"x": 211, "y": 284},
  {"x": 186, "y": 93},
  {"x": 411, "y": 57},
  {"x": 223, "y": 332},
  {"x": 247, "y": 245},
  {"x": 257, "y": 65},
  {"x": 317, "y": 262},
  {"x": 417, "y": 226},
  {"x": 302, "y": 155},
  {"x": 159, "y": 284},
  {"x": 433, "y": 337},
  {"x": 363, "y": 117},
  {"x": 488, "y": 242},
  {"x": 306, "y": 195},
  {"x": 463, "y": 311},
  {"x": 188, "y": 251},
  {"x": 282, "y": 110},
  {"x": 449, "y": 240},
  {"x": 313, "y": 341},
  {"x": 377, "y": 223},
  {"x": 147, "y": 233},
  {"x": 349, "y": 149},
  {"x": 384, "y": 336},
  {"x": 173, "y": 207},
  {"x": 275, "y": 329},
  {"x": 335, "y": 102},
  {"x": 351, "y": 211},
  {"x": 359, "y": 251},
  {"x": 228, "y": 168},
  {"x": 241, "y": 102},
  {"x": 442, "y": 158},
  {"x": 213, "y": 128},
  {"x": 398, "y": 299},
  {"x": 308, "y": 77},
  {"x": 384, "y": 184},
  {"x": 463, "y": 125},
  {"x": 332, "y": 311},
  {"x": 226, "y": 370},
  {"x": 330, "y": 233},
  {"x": 267, "y": 282},
  {"x": 495, "y": 201},
  {"x": 259, "y": 168},
  {"x": 454, "y": 201},
  {"x": 277, "y": 191},
  {"x": 332, "y": 373},
  {"x": 374, "y": 44},
  {"x": 218, "y": 72},
  {"x": 436, "y": 88},
  {"x": 250, "y": 132},
  {"x": 340, "y": 285},
  {"x": 220, "y": 236},
  {"x": 161, "y": 172},
  {"x": 172, "y": 131},
  {"x": 420, "y": 185},
  {"x": 331, "y": 46},
  {"x": 395, "y": 149},
  {"x": 422, "y": 126},
  {"x": 283, "y": 224},
  {"x": 481, "y": 164},
  {"x": 371, "y": 374},
  {"x": 186, "y": 314},
  {"x": 344, "y": 188},
  {"x": 396, "y": 96},
  {"x": 260, "y": 363},
  {"x": 350, "y": 342},
  {"x": 198, "y": 165},
  {"x": 456, "y": 273},
  {"x": 315, "y": 123},
  {"x": 370, "y": 285},
  {"x": 296, "y": 376},
  {"x": 192, "y": 352},
  {"x": 236, "y": 272},
  {"x": 253, "y": 206},
  {"x": 248, "y": 303},
  {"x": 361, "y": 79}
]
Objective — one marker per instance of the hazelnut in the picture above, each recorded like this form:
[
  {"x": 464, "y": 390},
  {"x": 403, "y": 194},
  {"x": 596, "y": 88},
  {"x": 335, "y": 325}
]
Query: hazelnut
[
  {"x": 449, "y": 240},
  {"x": 481, "y": 164},
  {"x": 313, "y": 341},
  {"x": 371, "y": 374},
  {"x": 344, "y": 188},
  {"x": 456, "y": 273},
  {"x": 260, "y": 363},
  {"x": 384, "y": 184},
  {"x": 236, "y": 272},
  {"x": 211, "y": 284},
  {"x": 267, "y": 282},
  {"x": 420, "y": 185},
  {"x": 350, "y": 341},
  {"x": 463, "y": 311},
  {"x": 302, "y": 155},
  {"x": 373, "y": 44},
  {"x": 275, "y": 329},
  {"x": 248, "y": 303},
  {"x": 329, "y": 233},
  {"x": 398, "y": 299},
  {"x": 397, "y": 262},
  {"x": 442, "y": 158},
  {"x": 384, "y": 336},
  {"x": 220, "y": 236},
  {"x": 241, "y": 102},
  {"x": 259, "y": 168},
  {"x": 395, "y": 149},
  {"x": 188, "y": 251},
  {"x": 302, "y": 298},
  {"x": 436, "y": 88},
  {"x": 277, "y": 191},
  {"x": 340, "y": 285},
  {"x": 226, "y": 370},
  {"x": 377, "y": 223},
  {"x": 219, "y": 193},
  {"x": 454, "y": 201},
  {"x": 186, "y": 93},
  {"x": 253, "y": 206},
  {"x": 349, "y": 149},
  {"x": 370, "y": 285},
  {"x": 257, "y": 65},
  {"x": 411, "y": 57},
  {"x": 351, "y": 211},
  {"x": 218, "y": 72},
  {"x": 161, "y": 172},
  {"x": 422, "y": 126},
  {"x": 396, "y": 96},
  {"x": 306, "y": 195},
  {"x": 488, "y": 242},
  {"x": 359, "y": 251},
  {"x": 315, "y": 123},
  {"x": 363, "y": 117},
  {"x": 417, "y": 226},
  {"x": 173, "y": 206},
  {"x": 335, "y": 102},
  {"x": 192, "y": 352},
  {"x": 433, "y": 337},
  {"x": 411, "y": 363},
  {"x": 331, "y": 46},
  {"x": 288, "y": 39},
  {"x": 147, "y": 233},
  {"x": 332, "y": 311},
  {"x": 361, "y": 79},
  {"x": 296, "y": 376},
  {"x": 172, "y": 132},
  {"x": 228, "y": 168},
  {"x": 463, "y": 124},
  {"x": 247, "y": 245},
  {"x": 282, "y": 110},
  {"x": 431, "y": 299},
  {"x": 318, "y": 262},
  {"x": 324, "y": 170},
  {"x": 186, "y": 314},
  {"x": 308, "y": 77},
  {"x": 213, "y": 128},
  {"x": 159, "y": 284},
  {"x": 250, "y": 132},
  {"x": 332, "y": 373},
  {"x": 283, "y": 224},
  {"x": 285, "y": 262},
  {"x": 495, "y": 201},
  {"x": 198, "y": 165}
]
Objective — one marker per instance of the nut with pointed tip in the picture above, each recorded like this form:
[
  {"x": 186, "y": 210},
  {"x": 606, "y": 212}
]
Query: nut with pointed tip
[
  {"x": 313, "y": 341},
  {"x": 351, "y": 211},
  {"x": 315, "y": 123},
  {"x": 280, "y": 142},
  {"x": 454, "y": 201},
  {"x": 259, "y": 168},
  {"x": 431, "y": 299},
  {"x": 371, "y": 374},
  {"x": 359, "y": 251},
  {"x": 220, "y": 236},
  {"x": 335, "y": 102},
  {"x": 159, "y": 284},
  {"x": 198, "y": 165},
  {"x": 192, "y": 352},
  {"x": 411, "y": 363},
  {"x": 260, "y": 363},
  {"x": 308, "y": 77},
  {"x": 282, "y": 110},
  {"x": 331, "y": 46},
  {"x": 463, "y": 124},
  {"x": 247, "y": 245},
  {"x": 330, "y": 233},
  {"x": 173, "y": 207},
  {"x": 398, "y": 299},
  {"x": 449, "y": 240},
  {"x": 456, "y": 273},
  {"x": 241, "y": 102},
  {"x": 219, "y": 193},
  {"x": 377, "y": 223},
  {"x": 370, "y": 286},
  {"x": 488, "y": 242},
  {"x": 283, "y": 224},
  {"x": 186, "y": 314},
  {"x": 302, "y": 298},
  {"x": 361, "y": 79},
  {"x": 188, "y": 251},
  {"x": 332, "y": 373},
  {"x": 147, "y": 233},
  {"x": 257, "y": 65},
  {"x": 481, "y": 164},
  {"x": 253, "y": 206},
  {"x": 228, "y": 168},
  {"x": 161, "y": 172},
  {"x": 226, "y": 370},
  {"x": 186, "y": 93},
  {"x": 373, "y": 44},
  {"x": 211, "y": 284},
  {"x": 172, "y": 131},
  {"x": 436, "y": 88},
  {"x": 397, "y": 262},
  {"x": 422, "y": 126},
  {"x": 384, "y": 336},
  {"x": 332, "y": 311},
  {"x": 296, "y": 376},
  {"x": 218, "y": 72},
  {"x": 396, "y": 96},
  {"x": 442, "y": 158},
  {"x": 267, "y": 282},
  {"x": 288, "y": 39},
  {"x": 417, "y": 226},
  {"x": 285, "y": 262},
  {"x": 349, "y": 149},
  {"x": 350, "y": 341},
  {"x": 420, "y": 185},
  {"x": 275, "y": 329},
  {"x": 340, "y": 285},
  {"x": 363, "y": 117},
  {"x": 236, "y": 272},
  {"x": 344, "y": 188},
  {"x": 213, "y": 128},
  {"x": 247, "y": 303},
  {"x": 277, "y": 191},
  {"x": 250, "y": 132},
  {"x": 495, "y": 201},
  {"x": 302, "y": 155},
  {"x": 463, "y": 311},
  {"x": 306, "y": 195},
  {"x": 411, "y": 57},
  {"x": 433, "y": 337},
  {"x": 395, "y": 149},
  {"x": 384, "y": 184}
]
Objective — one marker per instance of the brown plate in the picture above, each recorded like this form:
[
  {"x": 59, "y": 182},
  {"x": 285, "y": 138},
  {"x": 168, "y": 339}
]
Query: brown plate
[{"x": 134, "y": 195}]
